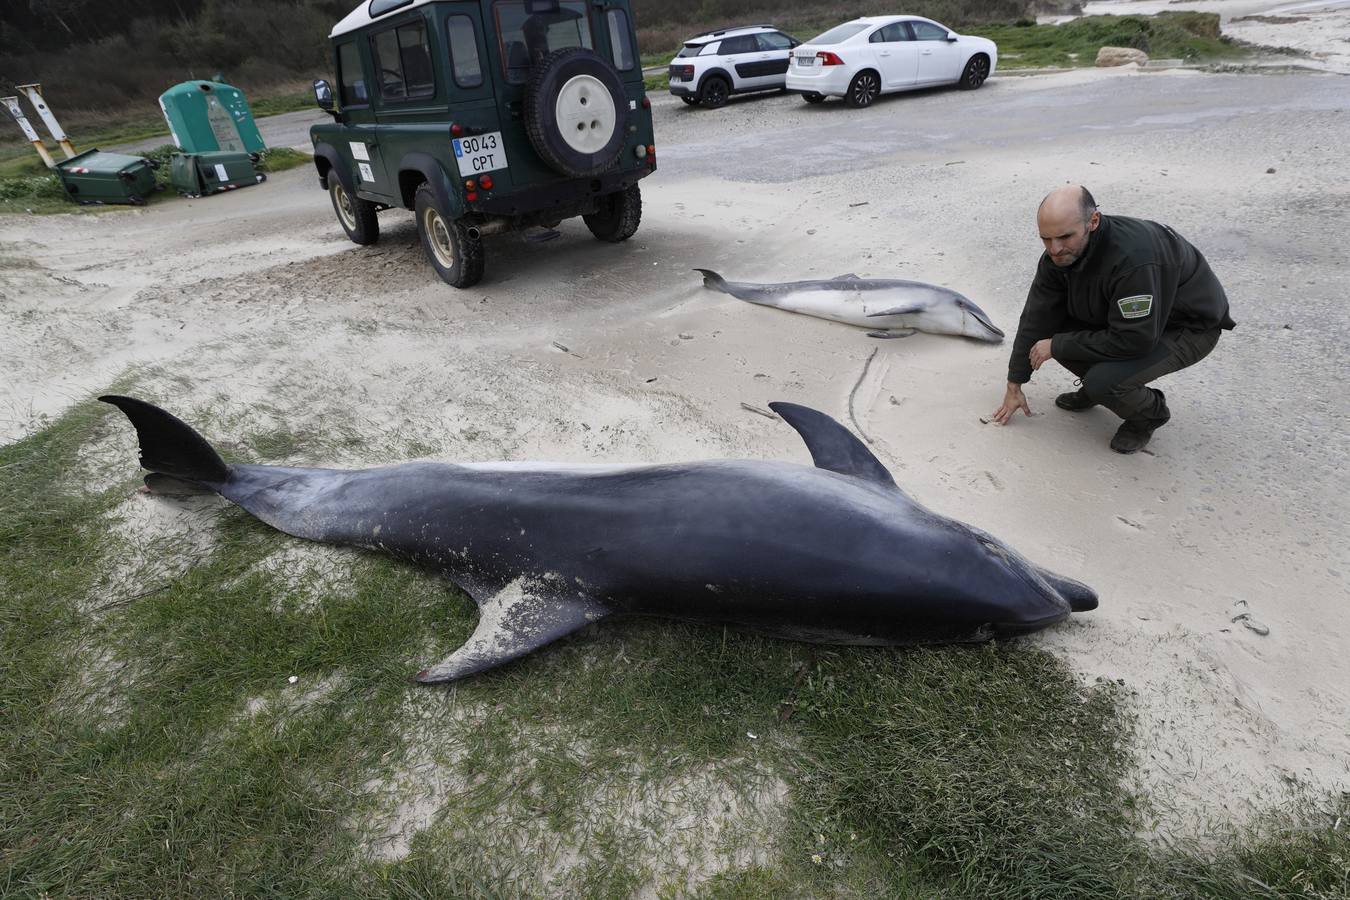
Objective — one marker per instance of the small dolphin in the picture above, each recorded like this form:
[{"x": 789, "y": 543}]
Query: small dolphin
[
  {"x": 833, "y": 553},
  {"x": 884, "y": 305}
]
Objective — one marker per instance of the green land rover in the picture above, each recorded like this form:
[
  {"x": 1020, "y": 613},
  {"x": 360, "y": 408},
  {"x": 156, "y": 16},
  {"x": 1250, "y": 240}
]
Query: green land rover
[{"x": 485, "y": 116}]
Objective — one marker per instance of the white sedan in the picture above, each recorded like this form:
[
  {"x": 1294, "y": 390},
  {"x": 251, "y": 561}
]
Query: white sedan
[{"x": 865, "y": 58}]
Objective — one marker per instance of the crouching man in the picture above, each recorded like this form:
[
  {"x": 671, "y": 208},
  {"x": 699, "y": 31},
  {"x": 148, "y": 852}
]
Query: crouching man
[{"x": 1119, "y": 302}]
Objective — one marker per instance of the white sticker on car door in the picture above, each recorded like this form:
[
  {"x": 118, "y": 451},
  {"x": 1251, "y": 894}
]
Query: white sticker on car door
[
  {"x": 359, "y": 150},
  {"x": 366, "y": 174}
]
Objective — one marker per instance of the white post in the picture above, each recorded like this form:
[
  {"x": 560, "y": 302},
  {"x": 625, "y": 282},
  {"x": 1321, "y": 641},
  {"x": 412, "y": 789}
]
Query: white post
[
  {"x": 34, "y": 92},
  {"x": 12, "y": 104}
]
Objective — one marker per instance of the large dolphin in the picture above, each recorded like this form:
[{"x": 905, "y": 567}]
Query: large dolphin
[
  {"x": 834, "y": 553},
  {"x": 883, "y": 305}
]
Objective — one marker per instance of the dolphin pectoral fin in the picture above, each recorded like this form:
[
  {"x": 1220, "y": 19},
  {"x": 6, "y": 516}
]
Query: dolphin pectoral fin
[
  {"x": 899, "y": 310},
  {"x": 521, "y": 617},
  {"x": 898, "y": 333},
  {"x": 832, "y": 446}
]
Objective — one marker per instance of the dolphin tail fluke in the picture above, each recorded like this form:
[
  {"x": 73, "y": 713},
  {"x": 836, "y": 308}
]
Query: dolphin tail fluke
[
  {"x": 713, "y": 281},
  {"x": 521, "y": 617},
  {"x": 169, "y": 447}
]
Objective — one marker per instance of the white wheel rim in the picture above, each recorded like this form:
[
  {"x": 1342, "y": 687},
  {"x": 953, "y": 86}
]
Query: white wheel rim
[
  {"x": 585, "y": 113},
  {"x": 438, "y": 235},
  {"x": 344, "y": 206}
]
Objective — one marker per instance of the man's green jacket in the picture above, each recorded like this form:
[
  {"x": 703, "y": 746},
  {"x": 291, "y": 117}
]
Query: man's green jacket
[{"x": 1136, "y": 280}]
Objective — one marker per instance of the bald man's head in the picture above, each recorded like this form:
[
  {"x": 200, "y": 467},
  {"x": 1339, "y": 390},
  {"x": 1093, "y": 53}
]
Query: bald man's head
[{"x": 1066, "y": 219}]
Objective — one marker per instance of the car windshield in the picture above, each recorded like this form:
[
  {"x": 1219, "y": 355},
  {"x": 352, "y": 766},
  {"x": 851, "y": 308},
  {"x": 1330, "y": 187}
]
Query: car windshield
[
  {"x": 690, "y": 50},
  {"x": 527, "y": 37},
  {"x": 839, "y": 33}
]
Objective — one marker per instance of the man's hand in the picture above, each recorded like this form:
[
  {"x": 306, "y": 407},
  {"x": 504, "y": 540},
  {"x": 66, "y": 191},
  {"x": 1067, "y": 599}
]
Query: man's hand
[
  {"x": 1040, "y": 353},
  {"x": 1013, "y": 400}
]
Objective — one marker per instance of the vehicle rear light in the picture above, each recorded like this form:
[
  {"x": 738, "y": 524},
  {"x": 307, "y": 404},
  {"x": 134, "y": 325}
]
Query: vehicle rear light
[
  {"x": 470, "y": 185},
  {"x": 829, "y": 59},
  {"x": 456, "y": 129},
  {"x": 485, "y": 182},
  {"x": 685, "y": 71},
  {"x": 651, "y": 151},
  {"x": 471, "y": 196},
  {"x": 646, "y": 103},
  {"x": 640, "y": 151}
]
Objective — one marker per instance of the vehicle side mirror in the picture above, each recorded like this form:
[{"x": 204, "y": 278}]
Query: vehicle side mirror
[
  {"x": 951, "y": 38},
  {"x": 323, "y": 95}
]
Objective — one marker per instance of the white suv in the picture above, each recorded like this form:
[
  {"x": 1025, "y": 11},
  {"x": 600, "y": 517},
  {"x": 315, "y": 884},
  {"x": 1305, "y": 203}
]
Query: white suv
[{"x": 716, "y": 64}]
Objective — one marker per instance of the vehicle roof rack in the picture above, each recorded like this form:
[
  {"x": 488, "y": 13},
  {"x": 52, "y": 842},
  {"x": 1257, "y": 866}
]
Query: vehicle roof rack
[{"x": 717, "y": 31}]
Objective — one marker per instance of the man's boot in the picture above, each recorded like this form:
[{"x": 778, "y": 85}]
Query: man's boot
[
  {"x": 1075, "y": 401},
  {"x": 1134, "y": 434}
]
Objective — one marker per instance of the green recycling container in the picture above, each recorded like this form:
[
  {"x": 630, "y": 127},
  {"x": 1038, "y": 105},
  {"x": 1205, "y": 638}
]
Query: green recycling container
[
  {"x": 200, "y": 174},
  {"x": 97, "y": 177},
  {"x": 206, "y": 116}
]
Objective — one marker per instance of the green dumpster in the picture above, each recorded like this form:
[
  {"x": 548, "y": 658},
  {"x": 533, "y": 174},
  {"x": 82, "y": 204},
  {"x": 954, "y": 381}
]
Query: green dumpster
[
  {"x": 205, "y": 116},
  {"x": 201, "y": 174},
  {"x": 97, "y": 177}
]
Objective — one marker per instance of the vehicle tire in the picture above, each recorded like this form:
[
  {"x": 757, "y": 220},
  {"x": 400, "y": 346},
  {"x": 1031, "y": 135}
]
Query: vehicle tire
[
  {"x": 691, "y": 101},
  {"x": 456, "y": 257},
  {"x": 813, "y": 97},
  {"x": 977, "y": 70},
  {"x": 576, "y": 112},
  {"x": 864, "y": 89},
  {"x": 618, "y": 217},
  {"x": 715, "y": 92},
  {"x": 356, "y": 216}
]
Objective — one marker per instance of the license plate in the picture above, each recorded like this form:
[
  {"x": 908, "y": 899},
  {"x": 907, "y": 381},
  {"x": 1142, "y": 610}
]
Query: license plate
[
  {"x": 805, "y": 60},
  {"x": 480, "y": 153}
]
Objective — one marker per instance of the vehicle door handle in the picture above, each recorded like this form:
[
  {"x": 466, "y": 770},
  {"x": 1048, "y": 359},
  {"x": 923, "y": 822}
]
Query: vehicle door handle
[
  {"x": 928, "y": 53},
  {"x": 884, "y": 53}
]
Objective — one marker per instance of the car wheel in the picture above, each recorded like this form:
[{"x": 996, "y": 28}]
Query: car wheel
[
  {"x": 618, "y": 215},
  {"x": 691, "y": 101},
  {"x": 977, "y": 70},
  {"x": 356, "y": 216},
  {"x": 715, "y": 92},
  {"x": 456, "y": 257},
  {"x": 864, "y": 89},
  {"x": 813, "y": 97},
  {"x": 576, "y": 112}
]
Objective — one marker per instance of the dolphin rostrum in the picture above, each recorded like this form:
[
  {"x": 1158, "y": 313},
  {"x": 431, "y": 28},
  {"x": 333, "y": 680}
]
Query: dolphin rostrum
[
  {"x": 834, "y": 553},
  {"x": 888, "y": 306}
]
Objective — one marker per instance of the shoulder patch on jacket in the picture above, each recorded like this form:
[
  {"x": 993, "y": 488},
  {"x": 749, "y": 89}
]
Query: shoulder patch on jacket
[{"x": 1136, "y": 307}]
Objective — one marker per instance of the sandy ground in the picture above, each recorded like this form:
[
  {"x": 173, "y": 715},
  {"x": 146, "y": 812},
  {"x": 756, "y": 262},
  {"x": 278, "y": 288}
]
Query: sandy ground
[{"x": 250, "y": 311}]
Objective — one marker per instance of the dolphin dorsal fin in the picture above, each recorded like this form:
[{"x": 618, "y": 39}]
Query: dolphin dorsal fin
[
  {"x": 832, "y": 446},
  {"x": 847, "y": 276}
]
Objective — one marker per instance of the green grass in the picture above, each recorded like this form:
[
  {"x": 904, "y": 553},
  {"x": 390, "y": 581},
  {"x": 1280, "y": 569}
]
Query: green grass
[
  {"x": 1192, "y": 37},
  {"x": 151, "y": 745},
  {"x": 40, "y": 192}
]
